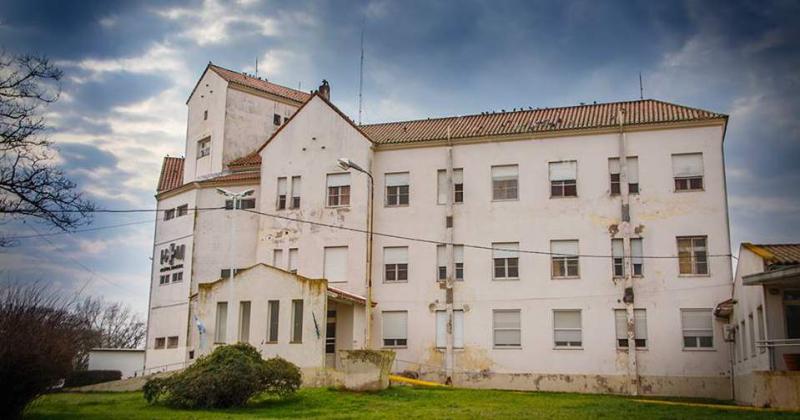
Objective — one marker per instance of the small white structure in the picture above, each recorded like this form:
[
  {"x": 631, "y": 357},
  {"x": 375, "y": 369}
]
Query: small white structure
[{"x": 128, "y": 361}]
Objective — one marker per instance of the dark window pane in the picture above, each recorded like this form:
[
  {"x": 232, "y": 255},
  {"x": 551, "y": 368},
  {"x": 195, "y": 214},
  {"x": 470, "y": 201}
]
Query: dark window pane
[
  {"x": 276, "y": 119},
  {"x": 689, "y": 342},
  {"x": 390, "y": 272},
  {"x": 696, "y": 183},
  {"x": 499, "y": 267},
  {"x": 513, "y": 267},
  {"x": 460, "y": 271},
  {"x": 633, "y": 188},
  {"x": 442, "y": 273},
  {"x": 640, "y": 342},
  {"x": 296, "y": 202},
  {"x": 571, "y": 190},
  {"x": 706, "y": 341},
  {"x": 622, "y": 342},
  {"x": 402, "y": 271},
  {"x": 637, "y": 269}
]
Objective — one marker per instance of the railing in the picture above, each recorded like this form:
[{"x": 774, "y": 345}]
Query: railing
[
  {"x": 161, "y": 368},
  {"x": 779, "y": 347}
]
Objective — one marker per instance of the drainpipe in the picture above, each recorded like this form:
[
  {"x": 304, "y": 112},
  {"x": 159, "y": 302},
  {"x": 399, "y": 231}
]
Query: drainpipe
[
  {"x": 368, "y": 309},
  {"x": 625, "y": 230},
  {"x": 450, "y": 270}
]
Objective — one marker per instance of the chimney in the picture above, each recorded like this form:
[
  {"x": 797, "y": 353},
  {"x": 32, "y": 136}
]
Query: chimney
[{"x": 325, "y": 90}]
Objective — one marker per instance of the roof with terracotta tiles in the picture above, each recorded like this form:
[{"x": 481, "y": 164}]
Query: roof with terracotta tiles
[
  {"x": 648, "y": 111},
  {"x": 253, "y": 159},
  {"x": 776, "y": 254},
  {"x": 171, "y": 174},
  {"x": 260, "y": 84},
  {"x": 232, "y": 177}
]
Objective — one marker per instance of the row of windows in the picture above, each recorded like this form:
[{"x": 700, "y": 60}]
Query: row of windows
[
  {"x": 166, "y": 342},
  {"x": 273, "y": 322},
  {"x": 696, "y": 328},
  {"x": 563, "y": 176},
  {"x": 745, "y": 336},
  {"x": 179, "y": 211},
  {"x": 176, "y": 277}
]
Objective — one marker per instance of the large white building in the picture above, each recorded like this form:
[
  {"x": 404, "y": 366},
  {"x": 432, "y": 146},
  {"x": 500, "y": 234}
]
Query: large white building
[{"x": 511, "y": 249}]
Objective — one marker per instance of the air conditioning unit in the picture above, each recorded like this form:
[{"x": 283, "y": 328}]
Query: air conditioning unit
[{"x": 729, "y": 333}]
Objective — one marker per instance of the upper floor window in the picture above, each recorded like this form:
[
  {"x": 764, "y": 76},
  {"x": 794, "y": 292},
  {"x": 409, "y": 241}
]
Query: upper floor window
[
  {"x": 563, "y": 178},
  {"x": 277, "y": 257},
  {"x": 177, "y": 277},
  {"x": 687, "y": 170},
  {"x": 632, "y": 172},
  {"x": 564, "y": 259},
  {"x": 640, "y": 327},
  {"x": 692, "y": 255},
  {"x": 397, "y": 189},
  {"x": 395, "y": 261},
  {"x": 169, "y": 214},
  {"x": 182, "y": 210},
  {"x": 221, "y": 324},
  {"x": 441, "y": 258},
  {"x": 160, "y": 343},
  {"x": 458, "y": 186},
  {"x": 163, "y": 279},
  {"x": 294, "y": 255},
  {"x": 697, "y": 327},
  {"x": 276, "y": 119},
  {"x": 567, "y": 330},
  {"x": 505, "y": 182},
  {"x": 395, "y": 328},
  {"x": 241, "y": 204},
  {"x": 338, "y": 189},
  {"x": 172, "y": 342},
  {"x": 335, "y": 263},
  {"x": 205, "y": 115},
  {"x": 204, "y": 147},
  {"x": 505, "y": 256},
  {"x": 281, "y": 193},
  {"x": 295, "y": 192},
  {"x": 637, "y": 261}
]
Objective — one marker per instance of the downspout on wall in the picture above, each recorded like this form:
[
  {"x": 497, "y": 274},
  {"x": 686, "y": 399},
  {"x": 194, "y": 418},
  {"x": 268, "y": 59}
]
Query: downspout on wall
[{"x": 450, "y": 270}]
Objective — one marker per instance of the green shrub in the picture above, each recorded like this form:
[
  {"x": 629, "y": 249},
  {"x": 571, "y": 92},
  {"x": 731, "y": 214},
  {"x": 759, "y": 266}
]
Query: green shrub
[
  {"x": 91, "y": 377},
  {"x": 230, "y": 376}
]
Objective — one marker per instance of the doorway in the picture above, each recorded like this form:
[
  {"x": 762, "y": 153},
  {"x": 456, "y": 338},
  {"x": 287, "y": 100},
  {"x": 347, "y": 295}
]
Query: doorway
[{"x": 330, "y": 339}]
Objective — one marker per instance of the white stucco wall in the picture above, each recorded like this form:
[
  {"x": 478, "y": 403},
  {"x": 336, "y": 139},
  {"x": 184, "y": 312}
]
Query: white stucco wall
[
  {"x": 210, "y": 96},
  {"x": 129, "y": 362},
  {"x": 249, "y": 121}
]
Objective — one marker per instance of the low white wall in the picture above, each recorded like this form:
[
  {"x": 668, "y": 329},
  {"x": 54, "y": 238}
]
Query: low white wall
[{"x": 126, "y": 361}]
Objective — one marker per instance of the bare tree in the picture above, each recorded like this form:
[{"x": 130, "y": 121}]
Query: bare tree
[
  {"x": 117, "y": 326},
  {"x": 30, "y": 185}
]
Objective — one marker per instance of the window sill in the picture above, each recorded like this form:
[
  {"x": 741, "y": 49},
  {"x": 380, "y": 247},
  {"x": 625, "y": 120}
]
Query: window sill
[
  {"x": 505, "y": 279},
  {"x": 500, "y": 200},
  {"x": 562, "y": 196},
  {"x": 295, "y": 342},
  {"x": 693, "y": 275},
  {"x": 395, "y": 281},
  {"x": 391, "y": 206},
  {"x": 271, "y": 342},
  {"x": 567, "y": 278},
  {"x": 625, "y": 349},
  {"x": 699, "y": 349},
  {"x": 507, "y": 347},
  {"x": 455, "y": 349},
  {"x": 689, "y": 191},
  {"x": 567, "y": 348},
  {"x": 395, "y": 347},
  {"x": 454, "y": 203},
  {"x": 338, "y": 207}
]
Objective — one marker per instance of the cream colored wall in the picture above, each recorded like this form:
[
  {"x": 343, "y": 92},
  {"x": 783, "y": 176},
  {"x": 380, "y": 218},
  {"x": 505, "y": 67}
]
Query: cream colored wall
[
  {"x": 210, "y": 96},
  {"x": 249, "y": 122},
  {"x": 130, "y": 363}
]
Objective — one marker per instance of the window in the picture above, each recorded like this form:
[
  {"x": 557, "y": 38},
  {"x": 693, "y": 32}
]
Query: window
[
  {"x": 505, "y": 256},
  {"x": 297, "y": 321},
  {"x": 458, "y": 186},
  {"x": 277, "y": 258},
  {"x": 395, "y": 261},
  {"x": 687, "y": 170},
  {"x": 637, "y": 257},
  {"x": 617, "y": 257},
  {"x": 285, "y": 119},
  {"x": 335, "y": 264},
  {"x": 295, "y": 192},
  {"x": 220, "y": 331},
  {"x": 276, "y": 119},
  {"x": 567, "y": 328},
  {"x": 565, "y": 259},
  {"x": 293, "y": 255},
  {"x": 697, "y": 328},
  {"x": 182, "y": 210},
  {"x": 637, "y": 261},
  {"x": 506, "y": 328},
  {"x": 632, "y": 173},
  {"x": 338, "y": 190},
  {"x": 204, "y": 147},
  {"x": 761, "y": 332},
  {"x": 563, "y": 178},
  {"x": 205, "y": 115},
  {"x": 169, "y": 214},
  {"x": 505, "y": 182},
  {"x": 397, "y": 189},
  {"x": 177, "y": 277},
  {"x": 458, "y": 329},
  {"x": 395, "y": 328},
  {"x": 172, "y": 342},
  {"x": 441, "y": 262},
  {"x": 281, "y": 193},
  {"x": 743, "y": 342},
  {"x": 241, "y": 204},
  {"x": 640, "y": 327},
  {"x": 244, "y": 321},
  {"x": 160, "y": 343},
  {"x": 692, "y": 255},
  {"x": 163, "y": 279},
  {"x": 752, "y": 334},
  {"x": 273, "y": 311},
  {"x": 226, "y": 272},
  {"x": 736, "y": 339}
]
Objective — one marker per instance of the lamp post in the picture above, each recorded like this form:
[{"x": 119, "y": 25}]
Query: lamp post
[
  {"x": 346, "y": 164},
  {"x": 236, "y": 199}
]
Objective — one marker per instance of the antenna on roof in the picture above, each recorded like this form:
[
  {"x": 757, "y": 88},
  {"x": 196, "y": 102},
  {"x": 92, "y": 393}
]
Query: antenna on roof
[
  {"x": 256, "y": 67},
  {"x": 641, "y": 87},
  {"x": 361, "y": 72}
]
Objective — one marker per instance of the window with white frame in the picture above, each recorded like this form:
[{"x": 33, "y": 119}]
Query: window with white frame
[
  {"x": 505, "y": 182},
  {"x": 226, "y": 272},
  {"x": 761, "y": 332},
  {"x": 338, "y": 190},
  {"x": 752, "y": 334},
  {"x": 244, "y": 321},
  {"x": 395, "y": 327},
  {"x": 397, "y": 189},
  {"x": 640, "y": 327},
  {"x": 241, "y": 204},
  {"x": 297, "y": 321},
  {"x": 295, "y": 204},
  {"x": 277, "y": 258},
  {"x": 617, "y": 257},
  {"x": 632, "y": 172},
  {"x": 177, "y": 277},
  {"x": 273, "y": 318},
  {"x": 294, "y": 254},
  {"x": 567, "y": 328},
  {"x": 395, "y": 262},
  {"x": 221, "y": 324},
  {"x": 204, "y": 147},
  {"x": 506, "y": 328},
  {"x": 692, "y": 255},
  {"x": 282, "y": 191},
  {"x": 160, "y": 343},
  {"x": 182, "y": 210},
  {"x": 637, "y": 260},
  {"x": 697, "y": 327},
  {"x": 335, "y": 263},
  {"x": 687, "y": 171},
  {"x": 564, "y": 257},
  {"x": 163, "y": 279},
  {"x": 169, "y": 214},
  {"x": 563, "y": 178},
  {"x": 458, "y": 186},
  {"x": 441, "y": 262},
  {"x": 637, "y": 257},
  {"x": 172, "y": 342},
  {"x": 505, "y": 258},
  {"x": 457, "y": 329}
]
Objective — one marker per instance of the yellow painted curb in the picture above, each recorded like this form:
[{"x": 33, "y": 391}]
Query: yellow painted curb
[
  {"x": 717, "y": 406},
  {"x": 403, "y": 379}
]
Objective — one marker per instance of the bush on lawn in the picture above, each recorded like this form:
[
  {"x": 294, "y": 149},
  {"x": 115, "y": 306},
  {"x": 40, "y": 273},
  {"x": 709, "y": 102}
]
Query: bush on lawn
[
  {"x": 91, "y": 377},
  {"x": 230, "y": 376}
]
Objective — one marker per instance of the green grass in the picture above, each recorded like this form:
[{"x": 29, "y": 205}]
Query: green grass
[{"x": 396, "y": 402}]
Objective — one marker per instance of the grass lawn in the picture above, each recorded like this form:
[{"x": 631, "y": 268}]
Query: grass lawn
[{"x": 396, "y": 402}]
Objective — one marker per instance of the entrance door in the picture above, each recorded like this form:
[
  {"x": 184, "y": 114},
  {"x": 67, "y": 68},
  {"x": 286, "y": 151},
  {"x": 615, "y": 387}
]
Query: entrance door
[
  {"x": 791, "y": 309},
  {"x": 330, "y": 340}
]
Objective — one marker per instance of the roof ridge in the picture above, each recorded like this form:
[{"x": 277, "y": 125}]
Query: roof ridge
[{"x": 265, "y": 80}]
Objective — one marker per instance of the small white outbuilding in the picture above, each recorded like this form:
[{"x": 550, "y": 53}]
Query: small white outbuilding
[{"x": 128, "y": 361}]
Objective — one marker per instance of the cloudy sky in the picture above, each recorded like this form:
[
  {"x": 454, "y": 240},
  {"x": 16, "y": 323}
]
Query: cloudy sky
[{"x": 129, "y": 68}]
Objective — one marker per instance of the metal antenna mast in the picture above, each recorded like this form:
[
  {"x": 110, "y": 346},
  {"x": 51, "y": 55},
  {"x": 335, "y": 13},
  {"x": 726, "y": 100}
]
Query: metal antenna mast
[
  {"x": 361, "y": 74},
  {"x": 256, "y": 67},
  {"x": 641, "y": 87}
]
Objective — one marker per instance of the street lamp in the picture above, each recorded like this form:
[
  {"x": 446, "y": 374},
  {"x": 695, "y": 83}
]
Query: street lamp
[{"x": 346, "y": 164}]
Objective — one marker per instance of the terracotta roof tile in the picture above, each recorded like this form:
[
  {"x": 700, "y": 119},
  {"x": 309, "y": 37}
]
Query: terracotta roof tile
[
  {"x": 260, "y": 84},
  {"x": 253, "y": 159},
  {"x": 236, "y": 176},
  {"x": 646, "y": 111},
  {"x": 171, "y": 174},
  {"x": 777, "y": 254}
]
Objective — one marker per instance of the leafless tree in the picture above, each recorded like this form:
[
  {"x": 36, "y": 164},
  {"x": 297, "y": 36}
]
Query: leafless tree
[
  {"x": 30, "y": 185},
  {"x": 116, "y": 324}
]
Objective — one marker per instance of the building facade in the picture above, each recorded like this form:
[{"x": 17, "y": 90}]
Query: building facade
[{"x": 510, "y": 250}]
